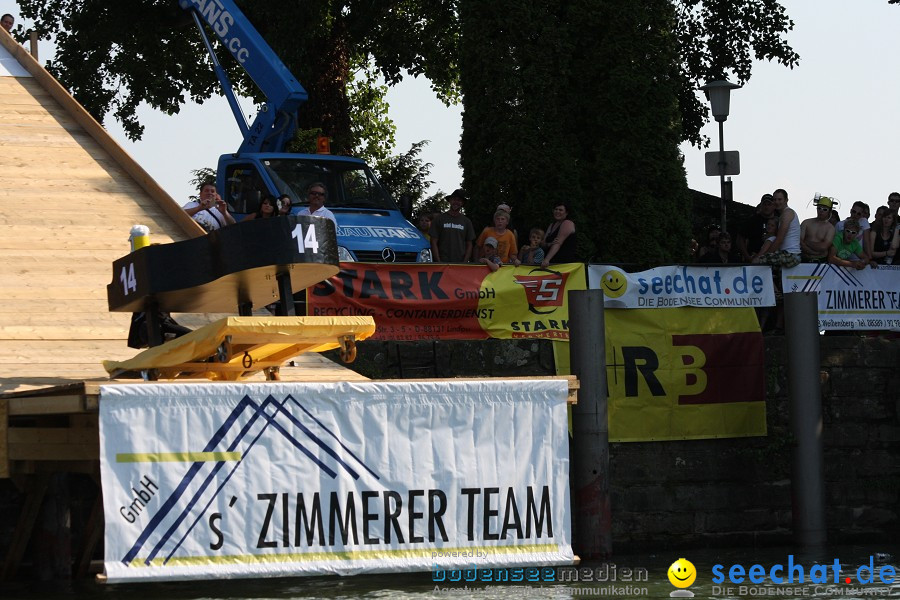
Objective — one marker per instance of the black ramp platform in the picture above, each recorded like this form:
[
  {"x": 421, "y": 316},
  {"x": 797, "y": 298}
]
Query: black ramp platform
[{"x": 234, "y": 266}]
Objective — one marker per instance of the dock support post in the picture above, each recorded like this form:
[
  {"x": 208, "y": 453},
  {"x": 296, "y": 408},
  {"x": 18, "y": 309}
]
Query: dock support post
[
  {"x": 592, "y": 516},
  {"x": 804, "y": 387},
  {"x": 286, "y": 306}
]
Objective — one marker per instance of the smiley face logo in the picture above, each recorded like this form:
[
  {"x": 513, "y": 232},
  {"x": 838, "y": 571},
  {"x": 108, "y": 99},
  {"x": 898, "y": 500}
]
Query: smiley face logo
[
  {"x": 614, "y": 284},
  {"x": 682, "y": 573}
]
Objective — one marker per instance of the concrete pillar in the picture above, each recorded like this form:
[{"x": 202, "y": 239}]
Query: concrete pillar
[
  {"x": 592, "y": 516},
  {"x": 804, "y": 387}
]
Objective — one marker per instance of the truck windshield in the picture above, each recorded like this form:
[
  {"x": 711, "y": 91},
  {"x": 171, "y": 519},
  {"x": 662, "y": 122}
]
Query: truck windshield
[{"x": 349, "y": 184}]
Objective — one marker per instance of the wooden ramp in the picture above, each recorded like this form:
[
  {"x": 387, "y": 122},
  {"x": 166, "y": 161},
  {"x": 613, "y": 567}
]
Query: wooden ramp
[{"x": 69, "y": 196}]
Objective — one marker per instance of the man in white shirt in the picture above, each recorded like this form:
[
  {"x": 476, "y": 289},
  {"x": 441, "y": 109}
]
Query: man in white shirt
[
  {"x": 316, "y": 194},
  {"x": 210, "y": 211}
]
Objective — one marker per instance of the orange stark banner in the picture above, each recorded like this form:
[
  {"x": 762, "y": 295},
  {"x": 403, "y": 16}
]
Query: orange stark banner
[{"x": 423, "y": 301}]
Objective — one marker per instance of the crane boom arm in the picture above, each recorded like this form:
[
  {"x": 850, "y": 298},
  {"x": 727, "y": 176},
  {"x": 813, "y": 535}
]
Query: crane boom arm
[{"x": 275, "y": 122}]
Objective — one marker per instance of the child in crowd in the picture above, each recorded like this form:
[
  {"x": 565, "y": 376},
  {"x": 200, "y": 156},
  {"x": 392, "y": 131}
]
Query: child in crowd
[
  {"x": 507, "y": 248},
  {"x": 490, "y": 258},
  {"x": 425, "y": 224},
  {"x": 771, "y": 230},
  {"x": 533, "y": 254}
]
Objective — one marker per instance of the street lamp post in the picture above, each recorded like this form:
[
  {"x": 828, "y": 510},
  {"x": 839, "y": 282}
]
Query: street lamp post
[{"x": 719, "y": 95}]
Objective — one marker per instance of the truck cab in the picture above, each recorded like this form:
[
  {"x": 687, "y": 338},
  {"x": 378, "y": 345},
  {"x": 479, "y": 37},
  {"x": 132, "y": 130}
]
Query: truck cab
[{"x": 371, "y": 227}]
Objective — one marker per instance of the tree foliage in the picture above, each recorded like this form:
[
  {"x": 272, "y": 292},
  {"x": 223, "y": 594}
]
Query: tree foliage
[
  {"x": 113, "y": 56},
  {"x": 405, "y": 176},
  {"x": 719, "y": 38},
  {"x": 577, "y": 102}
]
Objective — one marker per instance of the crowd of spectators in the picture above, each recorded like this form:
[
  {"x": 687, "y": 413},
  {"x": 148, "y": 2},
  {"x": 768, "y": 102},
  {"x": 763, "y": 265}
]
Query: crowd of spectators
[
  {"x": 775, "y": 236},
  {"x": 451, "y": 234}
]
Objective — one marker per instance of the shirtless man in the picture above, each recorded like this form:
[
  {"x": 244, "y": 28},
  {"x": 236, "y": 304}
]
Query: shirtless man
[{"x": 817, "y": 233}]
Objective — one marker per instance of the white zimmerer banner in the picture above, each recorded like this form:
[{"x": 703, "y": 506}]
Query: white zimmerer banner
[
  {"x": 849, "y": 299},
  {"x": 212, "y": 480}
]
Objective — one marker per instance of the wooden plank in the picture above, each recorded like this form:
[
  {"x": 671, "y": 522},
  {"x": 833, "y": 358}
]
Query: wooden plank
[
  {"x": 115, "y": 206},
  {"x": 86, "y": 255},
  {"x": 47, "y": 405},
  {"x": 95, "y": 130},
  {"x": 63, "y": 319},
  {"x": 76, "y": 291},
  {"x": 19, "y": 275},
  {"x": 54, "y": 373},
  {"x": 69, "y": 170},
  {"x": 53, "y": 350},
  {"x": 62, "y": 372},
  {"x": 53, "y": 435},
  {"x": 47, "y": 149},
  {"x": 10, "y": 384},
  {"x": 70, "y": 333},
  {"x": 18, "y": 136},
  {"x": 70, "y": 221},
  {"x": 111, "y": 236},
  {"x": 60, "y": 452},
  {"x": 35, "y": 489},
  {"x": 92, "y": 537},
  {"x": 18, "y": 115},
  {"x": 57, "y": 186},
  {"x": 114, "y": 196}
]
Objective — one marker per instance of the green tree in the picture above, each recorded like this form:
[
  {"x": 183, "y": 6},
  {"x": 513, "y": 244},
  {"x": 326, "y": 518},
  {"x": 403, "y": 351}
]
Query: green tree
[
  {"x": 625, "y": 128},
  {"x": 586, "y": 101},
  {"x": 113, "y": 56},
  {"x": 718, "y": 38},
  {"x": 515, "y": 147},
  {"x": 405, "y": 176}
]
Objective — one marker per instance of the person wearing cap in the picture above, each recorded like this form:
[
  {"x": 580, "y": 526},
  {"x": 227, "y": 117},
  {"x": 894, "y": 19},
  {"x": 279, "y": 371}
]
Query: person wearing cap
[
  {"x": 489, "y": 255},
  {"x": 750, "y": 235},
  {"x": 817, "y": 233},
  {"x": 452, "y": 232}
]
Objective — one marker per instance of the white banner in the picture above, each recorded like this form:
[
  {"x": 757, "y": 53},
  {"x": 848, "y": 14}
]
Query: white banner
[
  {"x": 675, "y": 286},
  {"x": 284, "y": 479},
  {"x": 850, "y": 299}
]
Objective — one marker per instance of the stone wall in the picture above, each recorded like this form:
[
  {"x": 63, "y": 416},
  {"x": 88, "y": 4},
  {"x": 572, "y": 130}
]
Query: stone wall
[{"x": 727, "y": 491}]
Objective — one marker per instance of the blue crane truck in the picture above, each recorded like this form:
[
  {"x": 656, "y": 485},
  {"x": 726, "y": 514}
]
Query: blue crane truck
[{"x": 371, "y": 227}]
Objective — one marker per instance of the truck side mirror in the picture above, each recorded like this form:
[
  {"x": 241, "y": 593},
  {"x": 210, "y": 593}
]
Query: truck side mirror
[{"x": 406, "y": 205}]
